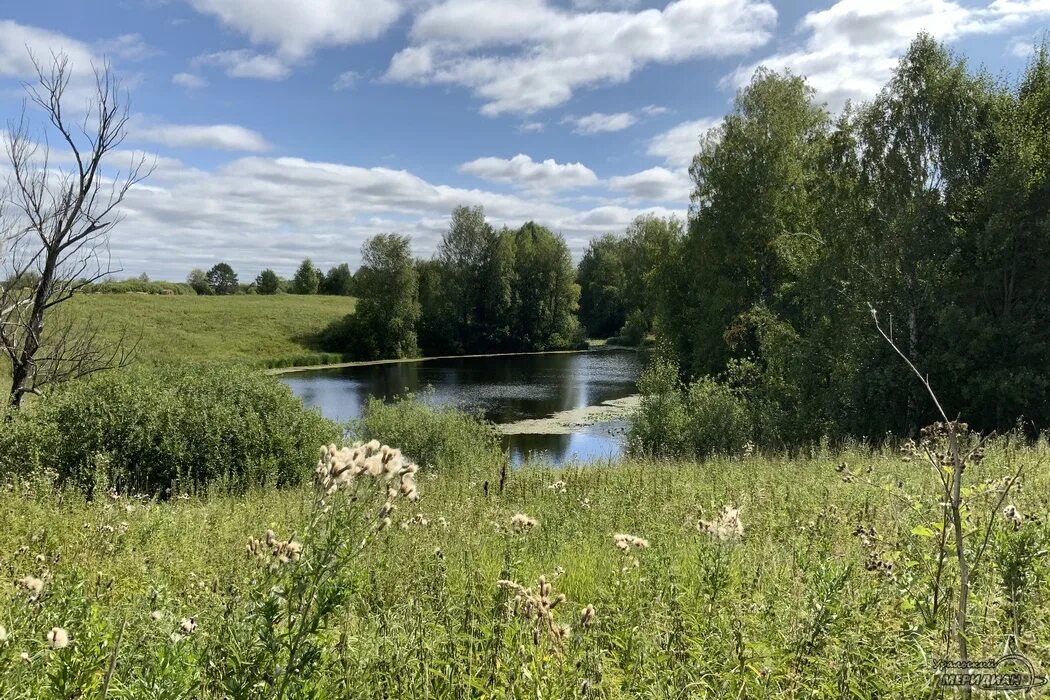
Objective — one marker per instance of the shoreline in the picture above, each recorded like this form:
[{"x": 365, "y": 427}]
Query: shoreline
[{"x": 277, "y": 371}]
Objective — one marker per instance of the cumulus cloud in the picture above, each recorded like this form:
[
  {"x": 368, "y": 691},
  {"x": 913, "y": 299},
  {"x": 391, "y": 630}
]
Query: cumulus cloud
[
  {"x": 523, "y": 172},
  {"x": 243, "y": 63},
  {"x": 659, "y": 184},
  {"x": 678, "y": 145},
  {"x": 257, "y": 212},
  {"x": 600, "y": 123},
  {"x": 20, "y": 42},
  {"x": 346, "y": 80},
  {"x": 850, "y": 49},
  {"x": 527, "y": 55},
  {"x": 297, "y": 29},
  {"x": 189, "y": 81},
  {"x": 225, "y": 137}
]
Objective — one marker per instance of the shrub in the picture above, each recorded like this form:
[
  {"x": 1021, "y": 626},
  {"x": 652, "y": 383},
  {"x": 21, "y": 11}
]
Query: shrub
[
  {"x": 169, "y": 430},
  {"x": 440, "y": 438},
  {"x": 704, "y": 417}
]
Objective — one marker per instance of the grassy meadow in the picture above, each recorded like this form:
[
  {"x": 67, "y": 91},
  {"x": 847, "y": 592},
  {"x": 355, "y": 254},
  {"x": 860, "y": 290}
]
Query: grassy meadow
[
  {"x": 259, "y": 330},
  {"x": 165, "y": 599}
]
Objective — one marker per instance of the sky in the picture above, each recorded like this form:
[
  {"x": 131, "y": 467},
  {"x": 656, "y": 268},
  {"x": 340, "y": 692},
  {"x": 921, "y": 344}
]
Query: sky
[{"x": 285, "y": 129}]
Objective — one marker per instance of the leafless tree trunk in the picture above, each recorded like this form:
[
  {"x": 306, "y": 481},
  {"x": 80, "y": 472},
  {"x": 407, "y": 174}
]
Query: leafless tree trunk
[{"x": 55, "y": 228}]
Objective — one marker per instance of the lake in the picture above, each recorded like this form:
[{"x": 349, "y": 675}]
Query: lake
[{"x": 561, "y": 407}]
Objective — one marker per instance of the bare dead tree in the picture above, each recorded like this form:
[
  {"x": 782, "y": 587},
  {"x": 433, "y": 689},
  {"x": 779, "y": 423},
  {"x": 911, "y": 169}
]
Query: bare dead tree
[{"x": 55, "y": 228}]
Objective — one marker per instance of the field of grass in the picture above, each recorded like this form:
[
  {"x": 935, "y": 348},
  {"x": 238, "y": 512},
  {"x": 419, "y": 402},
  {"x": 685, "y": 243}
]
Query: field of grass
[
  {"x": 795, "y": 608},
  {"x": 254, "y": 329}
]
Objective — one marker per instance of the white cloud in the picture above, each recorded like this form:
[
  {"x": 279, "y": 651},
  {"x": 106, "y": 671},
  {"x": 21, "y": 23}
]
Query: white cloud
[
  {"x": 1021, "y": 46},
  {"x": 600, "y": 123},
  {"x": 225, "y": 137},
  {"x": 189, "y": 81},
  {"x": 657, "y": 183},
  {"x": 678, "y": 145},
  {"x": 525, "y": 173},
  {"x": 654, "y": 110},
  {"x": 526, "y": 55},
  {"x": 297, "y": 29},
  {"x": 18, "y": 42},
  {"x": 532, "y": 127},
  {"x": 852, "y": 47},
  {"x": 131, "y": 47},
  {"x": 346, "y": 80},
  {"x": 258, "y": 212},
  {"x": 243, "y": 63}
]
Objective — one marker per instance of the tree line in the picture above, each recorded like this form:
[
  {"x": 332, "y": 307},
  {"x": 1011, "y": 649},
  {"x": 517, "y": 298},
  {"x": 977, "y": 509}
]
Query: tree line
[
  {"x": 486, "y": 290},
  {"x": 308, "y": 279},
  {"x": 928, "y": 207}
]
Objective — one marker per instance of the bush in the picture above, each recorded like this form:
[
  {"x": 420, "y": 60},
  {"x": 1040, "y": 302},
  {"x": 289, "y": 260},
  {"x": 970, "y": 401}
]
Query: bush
[
  {"x": 705, "y": 417},
  {"x": 166, "y": 431},
  {"x": 440, "y": 438}
]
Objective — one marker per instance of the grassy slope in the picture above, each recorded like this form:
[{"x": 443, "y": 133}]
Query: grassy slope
[
  {"x": 263, "y": 330},
  {"x": 788, "y": 612}
]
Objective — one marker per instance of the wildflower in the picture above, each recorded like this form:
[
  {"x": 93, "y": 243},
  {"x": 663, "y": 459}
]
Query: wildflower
[
  {"x": 521, "y": 522},
  {"x": 40, "y": 558},
  {"x": 624, "y": 542},
  {"x": 57, "y": 638},
  {"x": 24, "y": 657},
  {"x": 32, "y": 585},
  {"x": 188, "y": 625},
  {"x": 1013, "y": 516},
  {"x": 726, "y": 526},
  {"x": 557, "y": 486},
  {"x": 157, "y": 615}
]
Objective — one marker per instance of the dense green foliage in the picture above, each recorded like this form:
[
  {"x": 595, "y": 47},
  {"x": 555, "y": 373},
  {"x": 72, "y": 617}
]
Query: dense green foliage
[
  {"x": 796, "y": 608},
  {"x": 485, "y": 291},
  {"x": 930, "y": 204},
  {"x": 267, "y": 282},
  {"x": 339, "y": 281},
  {"x": 384, "y": 325},
  {"x": 489, "y": 290},
  {"x": 307, "y": 279},
  {"x": 440, "y": 439},
  {"x": 138, "y": 285},
  {"x": 166, "y": 431},
  {"x": 222, "y": 279},
  {"x": 618, "y": 278}
]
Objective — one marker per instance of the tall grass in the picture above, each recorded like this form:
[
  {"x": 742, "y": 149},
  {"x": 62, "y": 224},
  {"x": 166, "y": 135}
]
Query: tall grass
[{"x": 793, "y": 608}]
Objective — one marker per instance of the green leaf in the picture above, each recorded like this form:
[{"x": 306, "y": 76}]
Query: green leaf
[{"x": 922, "y": 531}]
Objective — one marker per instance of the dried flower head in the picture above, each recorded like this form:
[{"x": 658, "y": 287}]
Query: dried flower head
[
  {"x": 1013, "y": 516},
  {"x": 520, "y": 522},
  {"x": 31, "y": 585},
  {"x": 625, "y": 542},
  {"x": 557, "y": 486},
  {"x": 537, "y": 607},
  {"x": 157, "y": 615},
  {"x": 57, "y": 638},
  {"x": 188, "y": 626},
  {"x": 726, "y": 526},
  {"x": 588, "y": 617}
]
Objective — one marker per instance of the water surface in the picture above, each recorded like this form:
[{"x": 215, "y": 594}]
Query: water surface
[{"x": 503, "y": 389}]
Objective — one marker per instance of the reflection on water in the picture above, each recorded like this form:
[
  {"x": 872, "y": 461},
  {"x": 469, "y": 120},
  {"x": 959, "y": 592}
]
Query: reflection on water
[{"x": 502, "y": 389}]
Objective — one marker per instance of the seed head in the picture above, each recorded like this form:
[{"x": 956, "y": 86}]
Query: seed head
[
  {"x": 57, "y": 638},
  {"x": 521, "y": 522}
]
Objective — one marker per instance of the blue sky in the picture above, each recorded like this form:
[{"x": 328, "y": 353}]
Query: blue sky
[{"x": 294, "y": 128}]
